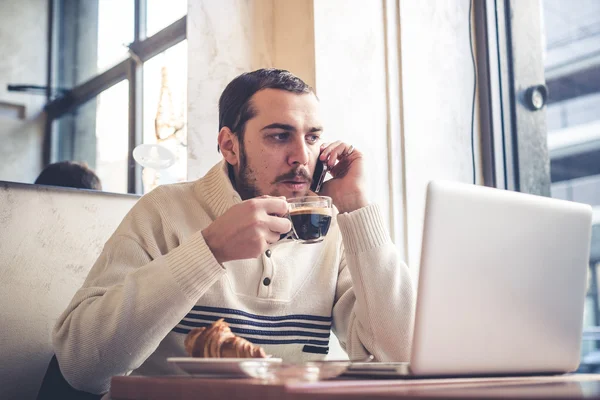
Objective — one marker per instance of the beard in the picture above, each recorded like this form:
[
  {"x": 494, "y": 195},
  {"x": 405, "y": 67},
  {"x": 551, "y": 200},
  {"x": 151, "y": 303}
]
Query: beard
[{"x": 246, "y": 182}]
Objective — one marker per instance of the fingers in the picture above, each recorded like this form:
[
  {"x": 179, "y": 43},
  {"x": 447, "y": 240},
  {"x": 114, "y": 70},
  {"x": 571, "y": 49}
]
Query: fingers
[
  {"x": 326, "y": 149},
  {"x": 272, "y": 237},
  {"x": 278, "y": 225},
  {"x": 272, "y": 205},
  {"x": 270, "y": 212},
  {"x": 335, "y": 151}
]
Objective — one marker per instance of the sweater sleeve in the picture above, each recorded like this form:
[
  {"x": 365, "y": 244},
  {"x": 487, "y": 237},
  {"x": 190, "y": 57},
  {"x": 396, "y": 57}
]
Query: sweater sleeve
[
  {"x": 127, "y": 305},
  {"x": 374, "y": 307}
]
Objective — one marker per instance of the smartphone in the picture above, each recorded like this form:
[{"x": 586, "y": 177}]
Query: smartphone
[{"x": 318, "y": 176}]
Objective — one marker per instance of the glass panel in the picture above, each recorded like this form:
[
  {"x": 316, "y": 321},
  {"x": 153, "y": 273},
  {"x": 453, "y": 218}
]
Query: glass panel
[
  {"x": 116, "y": 24},
  {"x": 112, "y": 137},
  {"x": 165, "y": 112},
  {"x": 161, "y": 14},
  {"x": 92, "y": 36},
  {"x": 97, "y": 134},
  {"x": 572, "y": 69}
]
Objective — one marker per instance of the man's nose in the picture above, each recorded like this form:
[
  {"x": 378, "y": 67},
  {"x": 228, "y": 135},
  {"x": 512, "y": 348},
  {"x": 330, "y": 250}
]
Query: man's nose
[{"x": 299, "y": 153}]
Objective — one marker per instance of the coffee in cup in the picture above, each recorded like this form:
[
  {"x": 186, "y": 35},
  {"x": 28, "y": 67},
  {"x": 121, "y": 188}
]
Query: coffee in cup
[{"x": 311, "y": 218}]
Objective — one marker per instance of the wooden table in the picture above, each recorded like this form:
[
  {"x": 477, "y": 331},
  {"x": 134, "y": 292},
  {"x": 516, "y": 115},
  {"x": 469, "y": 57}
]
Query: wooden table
[{"x": 186, "y": 387}]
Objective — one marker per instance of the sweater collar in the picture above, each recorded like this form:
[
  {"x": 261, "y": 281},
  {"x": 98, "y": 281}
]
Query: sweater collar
[{"x": 217, "y": 189}]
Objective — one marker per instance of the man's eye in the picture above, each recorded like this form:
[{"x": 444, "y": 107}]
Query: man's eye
[
  {"x": 312, "y": 138},
  {"x": 280, "y": 136}
]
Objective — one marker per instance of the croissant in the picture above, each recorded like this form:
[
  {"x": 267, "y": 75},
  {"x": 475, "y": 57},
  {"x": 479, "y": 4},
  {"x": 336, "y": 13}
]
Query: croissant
[{"x": 217, "y": 341}]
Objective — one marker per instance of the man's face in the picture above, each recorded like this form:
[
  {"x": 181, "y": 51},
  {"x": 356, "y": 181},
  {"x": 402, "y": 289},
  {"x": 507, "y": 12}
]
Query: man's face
[{"x": 280, "y": 145}]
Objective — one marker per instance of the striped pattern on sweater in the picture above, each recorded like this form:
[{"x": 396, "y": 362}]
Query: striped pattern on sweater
[{"x": 262, "y": 329}]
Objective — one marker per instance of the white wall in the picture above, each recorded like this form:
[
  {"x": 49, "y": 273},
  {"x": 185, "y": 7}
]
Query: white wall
[
  {"x": 293, "y": 37},
  {"x": 223, "y": 42},
  {"x": 437, "y": 90},
  {"x": 23, "y": 45},
  {"x": 351, "y": 84}
]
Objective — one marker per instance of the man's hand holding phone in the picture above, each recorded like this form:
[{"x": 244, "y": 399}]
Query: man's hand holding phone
[{"x": 346, "y": 166}]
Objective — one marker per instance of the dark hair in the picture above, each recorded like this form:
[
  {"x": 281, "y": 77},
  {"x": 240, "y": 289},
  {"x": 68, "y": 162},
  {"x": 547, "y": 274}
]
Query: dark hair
[
  {"x": 235, "y": 108},
  {"x": 69, "y": 174}
]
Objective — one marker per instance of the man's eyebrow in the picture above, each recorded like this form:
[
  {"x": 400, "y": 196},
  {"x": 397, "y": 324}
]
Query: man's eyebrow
[
  {"x": 277, "y": 125},
  {"x": 290, "y": 128}
]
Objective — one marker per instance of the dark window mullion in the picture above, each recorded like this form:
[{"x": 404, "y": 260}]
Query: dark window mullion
[
  {"x": 490, "y": 112},
  {"x": 529, "y": 158},
  {"x": 87, "y": 90},
  {"x": 134, "y": 172},
  {"x": 162, "y": 40},
  {"x": 136, "y": 100},
  {"x": 140, "y": 20},
  {"x": 49, "y": 149}
]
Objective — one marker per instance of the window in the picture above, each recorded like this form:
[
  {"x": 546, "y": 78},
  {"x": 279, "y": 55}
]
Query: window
[
  {"x": 119, "y": 70},
  {"x": 116, "y": 27},
  {"x": 90, "y": 37},
  {"x": 572, "y": 69},
  {"x": 165, "y": 112},
  {"x": 161, "y": 13},
  {"x": 112, "y": 121},
  {"x": 533, "y": 54}
]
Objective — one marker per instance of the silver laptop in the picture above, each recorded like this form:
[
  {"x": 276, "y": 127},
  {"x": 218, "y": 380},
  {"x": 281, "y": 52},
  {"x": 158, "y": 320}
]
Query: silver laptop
[{"x": 501, "y": 287}]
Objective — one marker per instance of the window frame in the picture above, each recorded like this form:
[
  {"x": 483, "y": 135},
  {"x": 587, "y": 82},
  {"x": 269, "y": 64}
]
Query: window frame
[
  {"x": 514, "y": 137},
  {"x": 141, "y": 50}
]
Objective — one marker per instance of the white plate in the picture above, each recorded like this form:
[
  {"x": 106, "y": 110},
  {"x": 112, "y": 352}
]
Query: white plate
[
  {"x": 310, "y": 371},
  {"x": 217, "y": 367}
]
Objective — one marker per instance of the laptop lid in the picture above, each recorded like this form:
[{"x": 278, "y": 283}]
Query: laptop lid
[{"x": 502, "y": 282}]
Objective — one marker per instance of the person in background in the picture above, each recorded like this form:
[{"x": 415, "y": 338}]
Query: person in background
[{"x": 69, "y": 174}]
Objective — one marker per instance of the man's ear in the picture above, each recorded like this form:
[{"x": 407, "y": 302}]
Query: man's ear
[{"x": 229, "y": 145}]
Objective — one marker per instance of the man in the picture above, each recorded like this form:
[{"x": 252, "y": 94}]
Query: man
[
  {"x": 189, "y": 254},
  {"x": 69, "y": 174}
]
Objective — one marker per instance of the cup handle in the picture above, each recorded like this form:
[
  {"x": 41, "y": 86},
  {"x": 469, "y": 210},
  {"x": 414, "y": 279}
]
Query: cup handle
[{"x": 291, "y": 234}]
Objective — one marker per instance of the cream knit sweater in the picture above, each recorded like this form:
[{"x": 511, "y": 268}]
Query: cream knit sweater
[{"x": 156, "y": 279}]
